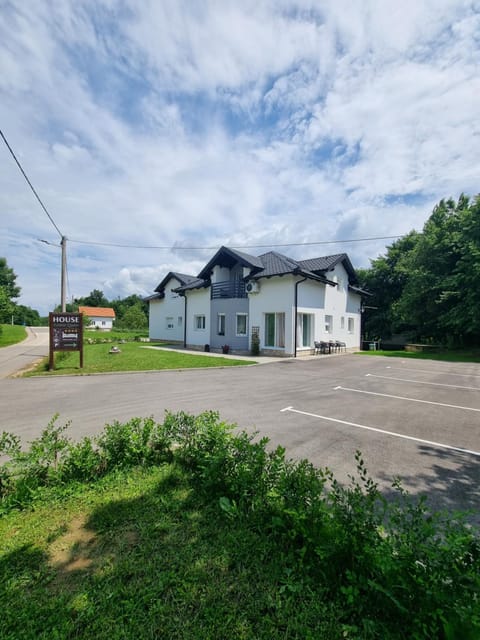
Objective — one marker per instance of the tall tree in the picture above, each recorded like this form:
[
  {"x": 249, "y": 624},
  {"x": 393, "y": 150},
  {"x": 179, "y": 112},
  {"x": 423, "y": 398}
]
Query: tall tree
[
  {"x": 6, "y": 306},
  {"x": 95, "y": 298},
  {"x": 133, "y": 318},
  {"x": 8, "y": 280},
  {"x": 385, "y": 280}
]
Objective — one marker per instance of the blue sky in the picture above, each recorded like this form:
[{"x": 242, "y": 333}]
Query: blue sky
[{"x": 202, "y": 123}]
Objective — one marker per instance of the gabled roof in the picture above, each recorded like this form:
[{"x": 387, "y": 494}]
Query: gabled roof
[
  {"x": 181, "y": 277},
  {"x": 276, "y": 264},
  {"x": 267, "y": 265},
  {"x": 326, "y": 263},
  {"x": 226, "y": 257},
  {"x": 196, "y": 283},
  {"x": 97, "y": 312}
]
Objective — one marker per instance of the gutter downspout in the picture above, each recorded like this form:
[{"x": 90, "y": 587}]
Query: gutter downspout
[
  {"x": 185, "y": 323},
  {"x": 296, "y": 317}
]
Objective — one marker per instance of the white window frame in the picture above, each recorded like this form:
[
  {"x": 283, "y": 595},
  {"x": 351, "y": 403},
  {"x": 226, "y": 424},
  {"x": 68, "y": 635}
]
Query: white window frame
[
  {"x": 180, "y": 321},
  {"x": 221, "y": 324},
  {"x": 199, "y": 322},
  {"x": 169, "y": 322},
  {"x": 351, "y": 325},
  {"x": 328, "y": 323},
  {"x": 342, "y": 323},
  {"x": 279, "y": 330},
  {"x": 238, "y": 333},
  {"x": 305, "y": 324}
]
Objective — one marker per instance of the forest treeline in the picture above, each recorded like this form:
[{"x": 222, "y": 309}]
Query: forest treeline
[{"x": 426, "y": 286}]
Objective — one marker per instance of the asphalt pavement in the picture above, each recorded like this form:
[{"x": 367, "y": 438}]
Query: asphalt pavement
[
  {"x": 414, "y": 419},
  {"x": 19, "y": 356}
]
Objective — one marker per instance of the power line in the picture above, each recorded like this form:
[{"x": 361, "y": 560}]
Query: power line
[
  {"x": 30, "y": 184},
  {"x": 234, "y": 246}
]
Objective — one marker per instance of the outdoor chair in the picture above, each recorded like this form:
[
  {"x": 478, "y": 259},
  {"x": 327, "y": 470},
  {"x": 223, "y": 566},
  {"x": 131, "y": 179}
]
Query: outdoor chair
[{"x": 340, "y": 345}]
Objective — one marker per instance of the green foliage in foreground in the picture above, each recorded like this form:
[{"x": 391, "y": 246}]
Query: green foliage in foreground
[
  {"x": 212, "y": 535},
  {"x": 11, "y": 334},
  {"x": 470, "y": 355},
  {"x": 133, "y": 356}
]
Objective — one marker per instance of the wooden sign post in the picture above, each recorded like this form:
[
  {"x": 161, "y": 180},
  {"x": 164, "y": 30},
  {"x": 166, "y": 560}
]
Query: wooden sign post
[{"x": 66, "y": 334}]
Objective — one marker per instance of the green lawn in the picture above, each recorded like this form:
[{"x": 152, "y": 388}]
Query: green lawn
[
  {"x": 133, "y": 356},
  {"x": 463, "y": 355},
  {"x": 141, "y": 555},
  {"x": 11, "y": 334}
]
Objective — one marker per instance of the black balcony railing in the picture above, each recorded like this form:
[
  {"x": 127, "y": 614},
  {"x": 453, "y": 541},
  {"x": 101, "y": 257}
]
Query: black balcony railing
[{"x": 228, "y": 289}]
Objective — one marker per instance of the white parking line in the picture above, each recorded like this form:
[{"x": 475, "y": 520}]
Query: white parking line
[
  {"x": 436, "y": 384},
  {"x": 388, "y": 433},
  {"x": 387, "y": 395},
  {"x": 441, "y": 373}
]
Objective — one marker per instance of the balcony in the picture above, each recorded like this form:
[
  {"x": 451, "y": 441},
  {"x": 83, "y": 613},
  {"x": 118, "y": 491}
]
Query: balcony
[{"x": 227, "y": 289}]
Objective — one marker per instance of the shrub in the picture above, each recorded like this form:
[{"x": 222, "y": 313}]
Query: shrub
[{"x": 391, "y": 569}]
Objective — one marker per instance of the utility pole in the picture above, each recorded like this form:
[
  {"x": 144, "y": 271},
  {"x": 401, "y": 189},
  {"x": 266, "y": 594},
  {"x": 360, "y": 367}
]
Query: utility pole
[{"x": 63, "y": 284}]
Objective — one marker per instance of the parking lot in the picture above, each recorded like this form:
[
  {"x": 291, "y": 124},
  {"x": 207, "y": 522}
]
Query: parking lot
[{"x": 416, "y": 419}]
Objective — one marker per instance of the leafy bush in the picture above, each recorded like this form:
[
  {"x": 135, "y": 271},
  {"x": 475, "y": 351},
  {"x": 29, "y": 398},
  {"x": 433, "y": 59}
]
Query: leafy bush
[
  {"x": 53, "y": 459},
  {"x": 391, "y": 569}
]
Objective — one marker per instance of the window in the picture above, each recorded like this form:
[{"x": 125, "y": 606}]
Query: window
[
  {"x": 328, "y": 324},
  {"x": 275, "y": 330},
  {"x": 342, "y": 322},
  {"x": 304, "y": 329},
  {"x": 169, "y": 322},
  {"x": 351, "y": 325},
  {"x": 179, "y": 321},
  {"x": 241, "y": 328},
  {"x": 221, "y": 324},
  {"x": 199, "y": 322}
]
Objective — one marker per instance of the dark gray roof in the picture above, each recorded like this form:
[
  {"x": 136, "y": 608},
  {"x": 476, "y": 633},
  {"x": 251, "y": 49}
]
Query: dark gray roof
[
  {"x": 181, "y": 277},
  {"x": 276, "y": 264},
  {"x": 323, "y": 263},
  {"x": 326, "y": 263},
  {"x": 226, "y": 257},
  {"x": 195, "y": 283},
  {"x": 267, "y": 265}
]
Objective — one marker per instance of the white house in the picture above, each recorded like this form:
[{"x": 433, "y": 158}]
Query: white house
[
  {"x": 290, "y": 304},
  {"x": 100, "y": 317},
  {"x": 167, "y": 308}
]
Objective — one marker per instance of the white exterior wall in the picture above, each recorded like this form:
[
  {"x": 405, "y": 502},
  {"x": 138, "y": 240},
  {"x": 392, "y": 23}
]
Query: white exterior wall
[
  {"x": 102, "y": 323},
  {"x": 276, "y": 295},
  {"x": 220, "y": 274},
  {"x": 342, "y": 303},
  {"x": 311, "y": 300},
  {"x": 171, "y": 306},
  {"x": 198, "y": 303}
]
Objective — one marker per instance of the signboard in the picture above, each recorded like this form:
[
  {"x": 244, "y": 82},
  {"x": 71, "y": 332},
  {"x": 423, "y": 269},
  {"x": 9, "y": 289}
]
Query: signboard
[{"x": 66, "y": 334}]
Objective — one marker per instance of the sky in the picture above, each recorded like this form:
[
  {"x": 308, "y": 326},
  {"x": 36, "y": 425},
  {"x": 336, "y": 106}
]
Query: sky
[{"x": 186, "y": 125}]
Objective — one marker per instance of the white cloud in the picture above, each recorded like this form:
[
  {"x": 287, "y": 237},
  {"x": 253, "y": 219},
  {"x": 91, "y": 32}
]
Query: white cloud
[{"x": 201, "y": 124}]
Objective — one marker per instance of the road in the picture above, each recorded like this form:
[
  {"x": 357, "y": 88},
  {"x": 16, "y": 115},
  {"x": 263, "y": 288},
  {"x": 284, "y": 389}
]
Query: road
[
  {"x": 19, "y": 356},
  {"x": 419, "y": 420}
]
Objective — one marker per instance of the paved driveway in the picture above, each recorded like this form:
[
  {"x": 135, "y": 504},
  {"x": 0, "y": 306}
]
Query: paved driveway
[
  {"x": 21, "y": 355},
  {"x": 419, "y": 420}
]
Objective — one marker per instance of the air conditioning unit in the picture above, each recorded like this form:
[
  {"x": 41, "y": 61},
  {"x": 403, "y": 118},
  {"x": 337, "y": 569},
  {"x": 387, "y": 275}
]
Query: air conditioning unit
[{"x": 252, "y": 287}]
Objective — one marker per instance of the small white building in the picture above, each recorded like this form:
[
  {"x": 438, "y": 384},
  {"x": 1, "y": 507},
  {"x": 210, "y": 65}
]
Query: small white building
[{"x": 100, "y": 317}]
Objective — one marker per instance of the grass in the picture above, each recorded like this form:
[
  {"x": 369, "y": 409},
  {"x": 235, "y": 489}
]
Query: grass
[
  {"x": 141, "y": 555},
  {"x": 11, "y": 334},
  {"x": 133, "y": 357},
  {"x": 463, "y": 355},
  {"x": 215, "y": 536}
]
